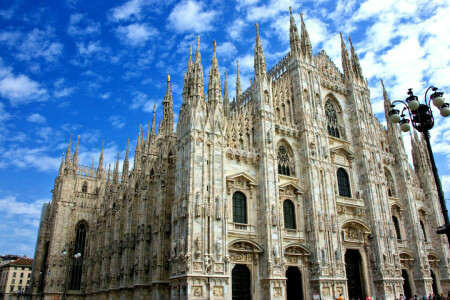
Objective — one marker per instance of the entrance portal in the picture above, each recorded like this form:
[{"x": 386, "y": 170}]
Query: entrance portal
[
  {"x": 435, "y": 288},
  {"x": 294, "y": 284},
  {"x": 406, "y": 286},
  {"x": 354, "y": 274},
  {"x": 240, "y": 278}
]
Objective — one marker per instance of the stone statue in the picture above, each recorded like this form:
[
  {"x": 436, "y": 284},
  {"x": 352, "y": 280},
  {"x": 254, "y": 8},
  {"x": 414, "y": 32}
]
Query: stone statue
[
  {"x": 198, "y": 207},
  {"x": 173, "y": 249},
  {"x": 181, "y": 247},
  {"x": 218, "y": 209}
]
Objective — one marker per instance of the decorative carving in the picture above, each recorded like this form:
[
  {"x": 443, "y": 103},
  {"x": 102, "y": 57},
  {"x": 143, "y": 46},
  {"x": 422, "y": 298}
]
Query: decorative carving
[
  {"x": 198, "y": 207},
  {"x": 218, "y": 291},
  {"x": 277, "y": 291}
]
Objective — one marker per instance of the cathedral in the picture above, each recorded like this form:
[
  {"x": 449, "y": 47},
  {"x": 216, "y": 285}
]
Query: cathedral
[{"x": 291, "y": 190}]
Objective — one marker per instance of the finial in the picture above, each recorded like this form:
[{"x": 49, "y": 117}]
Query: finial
[
  {"x": 301, "y": 17},
  {"x": 225, "y": 73},
  {"x": 198, "y": 42},
  {"x": 257, "y": 28},
  {"x": 214, "y": 46},
  {"x": 168, "y": 77},
  {"x": 237, "y": 63},
  {"x": 290, "y": 10}
]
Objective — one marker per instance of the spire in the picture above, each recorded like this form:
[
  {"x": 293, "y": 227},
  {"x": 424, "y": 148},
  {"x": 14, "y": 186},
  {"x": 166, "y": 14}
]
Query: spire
[
  {"x": 346, "y": 65},
  {"x": 167, "y": 121},
  {"x": 355, "y": 62},
  {"x": 109, "y": 172},
  {"x": 226, "y": 100},
  {"x": 147, "y": 138},
  {"x": 100, "y": 161},
  {"x": 153, "y": 134},
  {"x": 137, "y": 151},
  {"x": 68, "y": 150},
  {"x": 305, "y": 41},
  {"x": 75, "y": 156},
  {"x": 387, "y": 102},
  {"x": 189, "y": 66},
  {"x": 116, "y": 170},
  {"x": 198, "y": 56},
  {"x": 294, "y": 38},
  {"x": 61, "y": 166},
  {"x": 126, "y": 164},
  {"x": 214, "y": 88},
  {"x": 260, "y": 60},
  {"x": 238, "y": 82}
]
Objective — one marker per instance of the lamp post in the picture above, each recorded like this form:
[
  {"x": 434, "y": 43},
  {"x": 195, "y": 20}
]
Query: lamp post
[
  {"x": 422, "y": 119},
  {"x": 64, "y": 254}
]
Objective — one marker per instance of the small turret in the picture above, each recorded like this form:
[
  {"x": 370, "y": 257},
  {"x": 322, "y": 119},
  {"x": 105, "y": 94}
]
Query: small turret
[
  {"x": 356, "y": 67},
  {"x": 198, "y": 71},
  {"x": 68, "y": 160},
  {"x": 294, "y": 38},
  {"x": 75, "y": 156},
  {"x": 137, "y": 152},
  {"x": 168, "y": 119},
  {"x": 260, "y": 60},
  {"x": 152, "y": 133},
  {"x": 226, "y": 100},
  {"x": 346, "y": 65},
  {"x": 214, "y": 88},
  {"x": 238, "y": 82},
  {"x": 126, "y": 164},
  {"x": 305, "y": 41},
  {"x": 116, "y": 170},
  {"x": 100, "y": 161}
]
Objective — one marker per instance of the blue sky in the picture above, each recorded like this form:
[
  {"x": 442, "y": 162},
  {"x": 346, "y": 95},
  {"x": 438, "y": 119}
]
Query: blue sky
[{"x": 95, "y": 69}]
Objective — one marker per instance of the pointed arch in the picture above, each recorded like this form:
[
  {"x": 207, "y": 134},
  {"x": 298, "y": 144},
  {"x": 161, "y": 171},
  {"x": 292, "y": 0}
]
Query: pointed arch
[
  {"x": 84, "y": 187},
  {"x": 333, "y": 113},
  {"x": 78, "y": 254},
  {"x": 390, "y": 183},
  {"x": 285, "y": 159}
]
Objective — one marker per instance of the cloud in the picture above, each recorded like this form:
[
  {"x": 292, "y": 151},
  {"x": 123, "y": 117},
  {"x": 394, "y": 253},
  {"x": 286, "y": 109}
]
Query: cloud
[
  {"x": 191, "y": 16},
  {"x": 21, "y": 89},
  {"x": 226, "y": 50},
  {"x": 105, "y": 96},
  {"x": 34, "y": 44},
  {"x": 63, "y": 92},
  {"x": 80, "y": 25},
  {"x": 36, "y": 118},
  {"x": 117, "y": 121},
  {"x": 141, "y": 100},
  {"x": 126, "y": 11},
  {"x": 89, "y": 48},
  {"x": 136, "y": 34},
  {"x": 20, "y": 223},
  {"x": 24, "y": 158},
  {"x": 236, "y": 28}
]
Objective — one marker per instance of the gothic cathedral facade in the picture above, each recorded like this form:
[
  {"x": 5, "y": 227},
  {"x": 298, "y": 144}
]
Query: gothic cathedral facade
[{"x": 292, "y": 189}]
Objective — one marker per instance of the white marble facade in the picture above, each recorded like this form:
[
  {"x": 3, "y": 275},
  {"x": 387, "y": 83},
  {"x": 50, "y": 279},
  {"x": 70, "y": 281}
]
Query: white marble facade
[{"x": 293, "y": 188}]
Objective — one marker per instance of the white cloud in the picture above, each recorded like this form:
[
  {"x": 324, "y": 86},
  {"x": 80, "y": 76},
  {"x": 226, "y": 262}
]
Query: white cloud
[
  {"x": 63, "y": 92},
  {"x": 34, "y": 44},
  {"x": 11, "y": 207},
  {"x": 191, "y": 16},
  {"x": 80, "y": 25},
  {"x": 235, "y": 29},
  {"x": 130, "y": 9},
  {"x": 21, "y": 89},
  {"x": 24, "y": 158},
  {"x": 226, "y": 50},
  {"x": 141, "y": 100},
  {"x": 36, "y": 118},
  {"x": 117, "y": 121},
  {"x": 136, "y": 34},
  {"x": 89, "y": 48},
  {"x": 105, "y": 96}
]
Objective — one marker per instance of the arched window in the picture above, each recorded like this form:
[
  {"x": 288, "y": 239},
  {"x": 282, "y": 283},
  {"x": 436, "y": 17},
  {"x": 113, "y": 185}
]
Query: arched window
[
  {"x": 239, "y": 208},
  {"x": 390, "y": 184},
  {"x": 77, "y": 266},
  {"x": 332, "y": 120},
  {"x": 397, "y": 227},
  {"x": 423, "y": 230},
  {"x": 285, "y": 163},
  {"x": 84, "y": 187},
  {"x": 343, "y": 183},
  {"x": 289, "y": 214}
]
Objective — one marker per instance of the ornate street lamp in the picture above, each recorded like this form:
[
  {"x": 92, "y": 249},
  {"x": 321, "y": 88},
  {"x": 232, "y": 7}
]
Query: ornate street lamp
[
  {"x": 421, "y": 116},
  {"x": 76, "y": 256}
]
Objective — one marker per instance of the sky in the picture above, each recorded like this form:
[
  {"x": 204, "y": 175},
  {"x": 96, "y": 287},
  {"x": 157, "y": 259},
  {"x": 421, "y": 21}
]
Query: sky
[{"x": 96, "y": 68}]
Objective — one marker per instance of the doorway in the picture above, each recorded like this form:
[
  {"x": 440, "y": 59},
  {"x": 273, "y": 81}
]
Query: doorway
[
  {"x": 435, "y": 288},
  {"x": 354, "y": 274},
  {"x": 406, "y": 285},
  {"x": 294, "y": 287},
  {"x": 240, "y": 279}
]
